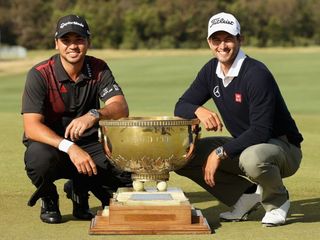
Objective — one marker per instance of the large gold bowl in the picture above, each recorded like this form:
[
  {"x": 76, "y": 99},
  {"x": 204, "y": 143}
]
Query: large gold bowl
[{"x": 149, "y": 147}]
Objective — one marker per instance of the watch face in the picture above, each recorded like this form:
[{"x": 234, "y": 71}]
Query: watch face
[
  {"x": 219, "y": 152},
  {"x": 95, "y": 113}
]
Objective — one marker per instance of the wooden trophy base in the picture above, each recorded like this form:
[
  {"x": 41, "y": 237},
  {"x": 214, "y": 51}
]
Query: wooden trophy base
[{"x": 148, "y": 213}]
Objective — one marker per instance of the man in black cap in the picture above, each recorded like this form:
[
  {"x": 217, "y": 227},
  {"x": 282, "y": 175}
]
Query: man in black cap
[{"x": 61, "y": 110}]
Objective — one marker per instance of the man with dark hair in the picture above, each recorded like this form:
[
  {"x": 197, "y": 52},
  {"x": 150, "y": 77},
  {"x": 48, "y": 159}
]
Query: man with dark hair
[
  {"x": 61, "y": 111},
  {"x": 246, "y": 169}
]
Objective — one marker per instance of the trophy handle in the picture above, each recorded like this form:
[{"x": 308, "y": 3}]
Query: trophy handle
[
  {"x": 196, "y": 129},
  {"x": 194, "y": 135},
  {"x": 103, "y": 139}
]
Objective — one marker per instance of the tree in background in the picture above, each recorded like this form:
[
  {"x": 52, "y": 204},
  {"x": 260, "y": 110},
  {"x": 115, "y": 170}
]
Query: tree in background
[
  {"x": 7, "y": 35},
  {"x": 274, "y": 22},
  {"x": 135, "y": 24},
  {"x": 32, "y": 22}
]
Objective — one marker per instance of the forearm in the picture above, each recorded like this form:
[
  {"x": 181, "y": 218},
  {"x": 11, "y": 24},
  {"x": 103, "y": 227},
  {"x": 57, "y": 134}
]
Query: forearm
[
  {"x": 115, "y": 109},
  {"x": 185, "y": 110}
]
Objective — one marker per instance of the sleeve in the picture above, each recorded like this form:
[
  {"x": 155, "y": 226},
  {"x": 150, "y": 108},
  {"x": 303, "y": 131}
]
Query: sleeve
[
  {"x": 262, "y": 101},
  {"x": 108, "y": 87},
  {"x": 196, "y": 95},
  {"x": 34, "y": 94}
]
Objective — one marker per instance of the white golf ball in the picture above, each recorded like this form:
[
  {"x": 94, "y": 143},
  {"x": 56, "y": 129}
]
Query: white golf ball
[
  {"x": 162, "y": 186},
  {"x": 138, "y": 186}
]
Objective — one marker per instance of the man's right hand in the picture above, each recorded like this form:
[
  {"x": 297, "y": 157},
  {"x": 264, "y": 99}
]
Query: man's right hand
[
  {"x": 82, "y": 160},
  {"x": 209, "y": 119}
]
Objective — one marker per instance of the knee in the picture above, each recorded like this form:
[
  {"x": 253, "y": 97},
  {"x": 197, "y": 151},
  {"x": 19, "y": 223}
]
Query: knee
[
  {"x": 39, "y": 158},
  {"x": 186, "y": 171},
  {"x": 180, "y": 172},
  {"x": 253, "y": 159}
]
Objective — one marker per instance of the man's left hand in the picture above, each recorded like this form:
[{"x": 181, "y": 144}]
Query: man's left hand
[
  {"x": 210, "y": 167},
  {"x": 78, "y": 126}
]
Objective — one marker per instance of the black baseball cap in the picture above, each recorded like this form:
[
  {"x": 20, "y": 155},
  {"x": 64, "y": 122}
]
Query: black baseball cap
[{"x": 72, "y": 23}]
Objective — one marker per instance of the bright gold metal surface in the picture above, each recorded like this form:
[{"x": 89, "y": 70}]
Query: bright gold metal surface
[{"x": 149, "y": 147}]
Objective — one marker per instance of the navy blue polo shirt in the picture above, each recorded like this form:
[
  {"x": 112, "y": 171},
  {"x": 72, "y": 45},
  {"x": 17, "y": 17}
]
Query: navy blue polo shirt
[
  {"x": 50, "y": 92},
  {"x": 251, "y": 106}
]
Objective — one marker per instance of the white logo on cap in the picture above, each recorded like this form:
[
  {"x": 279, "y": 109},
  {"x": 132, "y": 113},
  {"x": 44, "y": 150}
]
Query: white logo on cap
[
  {"x": 62, "y": 25},
  {"x": 221, "y": 20}
]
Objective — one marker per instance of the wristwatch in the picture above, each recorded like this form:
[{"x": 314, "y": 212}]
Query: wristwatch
[
  {"x": 95, "y": 113},
  {"x": 220, "y": 153}
]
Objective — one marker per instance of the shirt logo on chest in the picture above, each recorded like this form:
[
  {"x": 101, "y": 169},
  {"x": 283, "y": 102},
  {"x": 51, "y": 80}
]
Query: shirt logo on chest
[
  {"x": 238, "y": 97},
  {"x": 216, "y": 91},
  {"x": 63, "y": 89}
]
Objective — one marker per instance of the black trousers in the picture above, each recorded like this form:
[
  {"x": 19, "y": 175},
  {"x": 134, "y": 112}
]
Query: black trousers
[{"x": 44, "y": 164}]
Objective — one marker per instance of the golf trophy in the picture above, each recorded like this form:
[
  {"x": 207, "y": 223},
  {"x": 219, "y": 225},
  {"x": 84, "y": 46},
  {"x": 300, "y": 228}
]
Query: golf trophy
[{"x": 149, "y": 148}]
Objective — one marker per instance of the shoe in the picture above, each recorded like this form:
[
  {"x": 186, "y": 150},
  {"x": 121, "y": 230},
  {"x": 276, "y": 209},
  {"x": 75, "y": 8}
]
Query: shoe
[
  {"x": 80, "y": 203},
  {"x": 276, "y": 217},
  {"x": 50, "y": 212},
  {"x": 246, "y": 204}
]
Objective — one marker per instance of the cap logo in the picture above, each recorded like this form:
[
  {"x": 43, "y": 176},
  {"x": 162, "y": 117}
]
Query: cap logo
[
  {"x": 220, "y": 20},
  {"x": 224, "y": 22},
  {"x": 62, "y": 25}
]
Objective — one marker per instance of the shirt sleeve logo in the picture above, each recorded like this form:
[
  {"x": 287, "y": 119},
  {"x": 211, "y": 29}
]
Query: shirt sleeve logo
[
  {"x": 105, "y": 91},
  {"x": 238, "y": 97},
  {"x": 116, "y": 87},
  {"x": 108, "y": 90}
]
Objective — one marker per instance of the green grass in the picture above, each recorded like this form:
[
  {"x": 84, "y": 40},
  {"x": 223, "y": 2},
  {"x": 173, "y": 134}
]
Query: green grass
[{"x": 152, "y": 82}]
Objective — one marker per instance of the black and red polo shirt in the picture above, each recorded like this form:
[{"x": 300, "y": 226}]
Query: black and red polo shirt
[{"x": 50, "y": 92}]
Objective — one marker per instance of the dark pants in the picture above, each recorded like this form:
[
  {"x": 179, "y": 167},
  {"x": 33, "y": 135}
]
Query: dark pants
[{"x": 44, "y": 164}]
